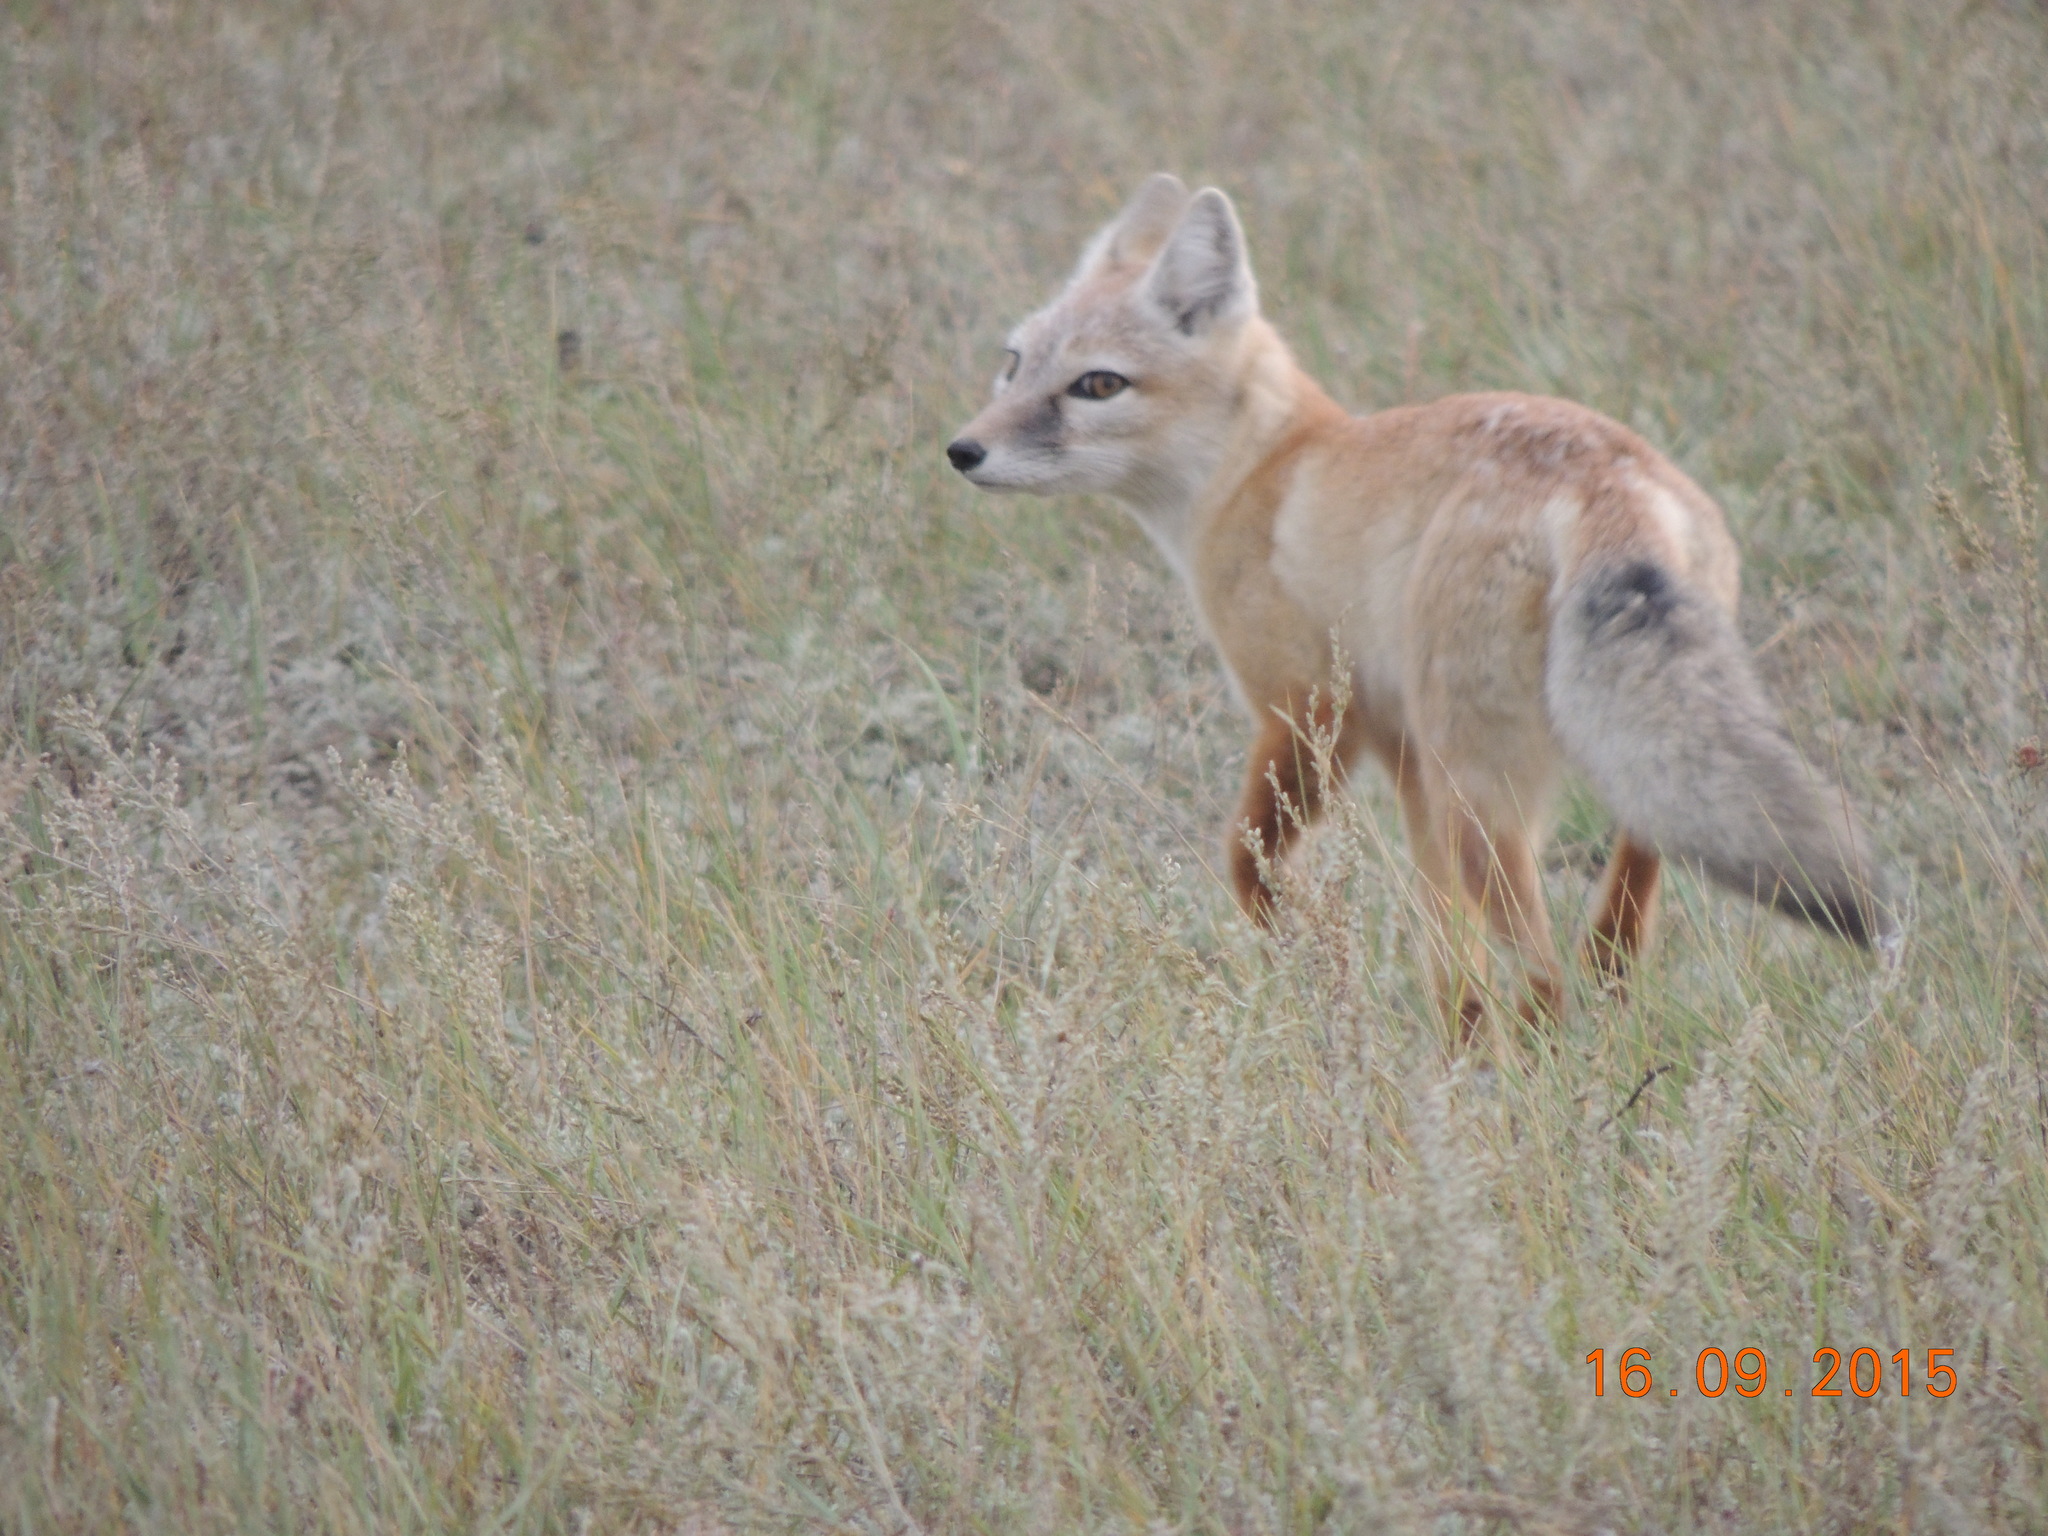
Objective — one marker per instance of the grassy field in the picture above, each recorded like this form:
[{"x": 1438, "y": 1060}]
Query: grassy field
[{"x": 591, "y": 942}]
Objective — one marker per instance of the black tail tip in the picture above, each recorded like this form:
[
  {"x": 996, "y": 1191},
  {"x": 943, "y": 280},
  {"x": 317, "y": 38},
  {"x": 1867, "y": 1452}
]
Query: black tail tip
[{"x": 1858, "y": 915}]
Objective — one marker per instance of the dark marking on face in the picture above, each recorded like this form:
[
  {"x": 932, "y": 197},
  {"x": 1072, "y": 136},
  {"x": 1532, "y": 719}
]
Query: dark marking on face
[{"x": 1043, "y": 428}]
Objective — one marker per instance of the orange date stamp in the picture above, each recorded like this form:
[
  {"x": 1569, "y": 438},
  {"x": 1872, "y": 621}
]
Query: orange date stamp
[{"x": 1864, "y": 1373}]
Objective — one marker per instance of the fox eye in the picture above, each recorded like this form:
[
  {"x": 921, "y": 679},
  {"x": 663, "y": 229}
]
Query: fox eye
[
  {"x": 1016, "y": 358},
  {"x": 1099, "y": 384}
]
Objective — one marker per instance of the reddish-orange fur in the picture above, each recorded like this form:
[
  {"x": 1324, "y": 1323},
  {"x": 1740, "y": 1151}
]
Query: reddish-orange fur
[
  {"x": 1284, "y": 791},
  {"x": 1623, "y": 907}
]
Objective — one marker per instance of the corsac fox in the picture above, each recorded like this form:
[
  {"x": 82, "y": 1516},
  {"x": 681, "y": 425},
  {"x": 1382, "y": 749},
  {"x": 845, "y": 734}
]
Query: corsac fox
[{"x": 1513, "y": 584}]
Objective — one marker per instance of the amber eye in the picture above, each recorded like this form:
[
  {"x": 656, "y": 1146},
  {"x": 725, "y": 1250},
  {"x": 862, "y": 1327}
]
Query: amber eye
[{"x": 1098, "y": 385}]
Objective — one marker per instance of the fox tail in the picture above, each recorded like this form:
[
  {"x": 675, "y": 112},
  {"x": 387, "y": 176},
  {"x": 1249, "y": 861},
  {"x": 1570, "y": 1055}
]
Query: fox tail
[{"x": 1653, "y": 694}]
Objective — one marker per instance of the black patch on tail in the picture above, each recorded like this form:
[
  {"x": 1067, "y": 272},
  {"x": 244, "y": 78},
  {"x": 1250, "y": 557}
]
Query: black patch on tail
[{"x": 1626, "y": 599}]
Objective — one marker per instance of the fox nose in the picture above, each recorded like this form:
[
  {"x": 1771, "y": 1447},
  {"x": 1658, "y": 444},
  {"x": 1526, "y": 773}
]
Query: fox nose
[{"x": 965, "y": 453}]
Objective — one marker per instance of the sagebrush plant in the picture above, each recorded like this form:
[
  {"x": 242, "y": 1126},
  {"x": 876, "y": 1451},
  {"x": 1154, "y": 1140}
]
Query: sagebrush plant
[{"x": 589, "y": 943}]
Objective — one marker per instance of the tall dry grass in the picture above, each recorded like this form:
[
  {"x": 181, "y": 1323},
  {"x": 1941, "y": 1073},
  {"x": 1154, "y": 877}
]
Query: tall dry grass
[{"x": 589, "y": 942}]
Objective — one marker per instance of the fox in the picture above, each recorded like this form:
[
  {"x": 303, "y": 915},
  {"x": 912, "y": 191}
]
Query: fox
[{"x": 1480, "y": 592}]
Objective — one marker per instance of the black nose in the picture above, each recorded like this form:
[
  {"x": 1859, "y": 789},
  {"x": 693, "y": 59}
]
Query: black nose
[{"x": 966, "y": 454}]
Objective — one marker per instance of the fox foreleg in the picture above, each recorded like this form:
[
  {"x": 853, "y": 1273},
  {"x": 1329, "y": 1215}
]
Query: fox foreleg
[{"x": 1300, "y": 757}]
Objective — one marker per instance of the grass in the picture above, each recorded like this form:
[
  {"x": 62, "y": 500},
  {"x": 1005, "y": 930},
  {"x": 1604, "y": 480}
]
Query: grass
[{"x": 590, "y": 942}]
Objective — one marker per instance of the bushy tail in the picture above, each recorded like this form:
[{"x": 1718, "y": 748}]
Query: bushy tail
[{"x": 1652, "y": 692}]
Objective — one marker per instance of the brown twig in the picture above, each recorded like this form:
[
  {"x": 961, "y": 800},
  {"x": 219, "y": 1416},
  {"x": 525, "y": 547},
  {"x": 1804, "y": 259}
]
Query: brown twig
[{"x": 1649, "y": 1077}]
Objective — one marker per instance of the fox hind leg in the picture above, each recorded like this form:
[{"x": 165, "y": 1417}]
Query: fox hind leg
[
  {"x": 1481, "y": 882},
  {"x": 1457, "y": 958},
  {"x": 1623, "y": 909},
  {"x": 1498, "y": 865}
]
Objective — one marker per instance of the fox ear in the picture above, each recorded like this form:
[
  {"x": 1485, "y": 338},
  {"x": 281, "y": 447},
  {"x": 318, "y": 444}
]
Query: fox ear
[
  {"x": 1201, "y": 275},
  {"x": 1136, "y": 233}
]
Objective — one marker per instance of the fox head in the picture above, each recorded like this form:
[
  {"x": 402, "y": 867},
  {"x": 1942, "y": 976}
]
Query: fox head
[{"x": 1132, "y": 380}]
